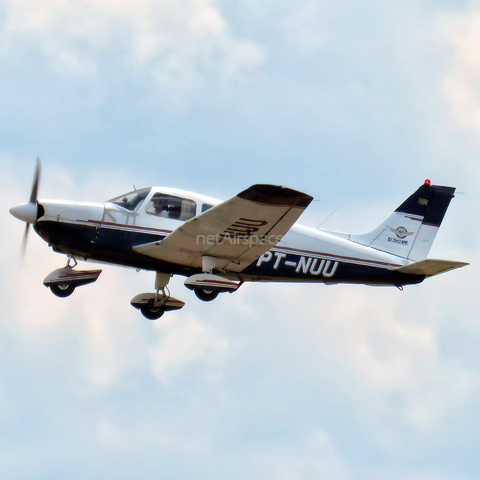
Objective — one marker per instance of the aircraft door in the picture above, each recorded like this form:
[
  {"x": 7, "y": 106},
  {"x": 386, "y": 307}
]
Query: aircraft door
[
  {"x": 112, "y": 232},
  {"x": 117, "y": 230}
]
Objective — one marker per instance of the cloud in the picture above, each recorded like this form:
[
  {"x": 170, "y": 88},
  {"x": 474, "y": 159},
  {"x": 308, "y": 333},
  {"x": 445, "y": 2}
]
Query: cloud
[
  {"x": 183, "y": 44},
  {"x": 102, "y": 359},
  {"x": 274, "y": 378},
  {"x": 184, "y": 344},
  {"x": 315, "y": 456},
  {"x": 385, "y": 346},
  {"x": 305, "y": 381},
  {"x": 461, "y": 32}
]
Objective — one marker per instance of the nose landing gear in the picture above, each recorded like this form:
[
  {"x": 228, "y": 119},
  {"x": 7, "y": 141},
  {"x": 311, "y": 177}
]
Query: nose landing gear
[
  {"x": 62, "y": 290},
  {"x": 63, "y": 281}
]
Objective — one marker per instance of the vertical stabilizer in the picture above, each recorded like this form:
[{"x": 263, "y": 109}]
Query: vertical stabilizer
[{"x": 411, "y": 229}]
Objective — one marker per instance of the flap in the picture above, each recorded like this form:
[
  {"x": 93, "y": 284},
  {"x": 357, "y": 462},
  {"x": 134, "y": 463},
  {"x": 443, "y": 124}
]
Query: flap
[{"x": 236, "y": 232}]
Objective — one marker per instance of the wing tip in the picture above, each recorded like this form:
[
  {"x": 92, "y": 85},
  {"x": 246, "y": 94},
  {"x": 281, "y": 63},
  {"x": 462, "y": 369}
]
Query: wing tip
[{"x": 275, "y": 195}]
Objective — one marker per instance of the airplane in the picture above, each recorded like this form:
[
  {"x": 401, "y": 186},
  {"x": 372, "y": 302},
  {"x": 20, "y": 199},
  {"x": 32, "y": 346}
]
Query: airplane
[{"x": 218, "y": 245}]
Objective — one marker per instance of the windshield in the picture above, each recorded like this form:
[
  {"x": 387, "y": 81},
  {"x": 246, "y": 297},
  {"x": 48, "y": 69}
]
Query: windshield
[{"x": 131, "y": 200}]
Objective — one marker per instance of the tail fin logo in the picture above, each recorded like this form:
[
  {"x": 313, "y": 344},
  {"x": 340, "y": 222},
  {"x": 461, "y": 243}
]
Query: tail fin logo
[{"x": 401, "y": 232}]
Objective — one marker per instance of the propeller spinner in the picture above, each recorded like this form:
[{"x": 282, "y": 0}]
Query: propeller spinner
[{"x": 27, "y": 212}]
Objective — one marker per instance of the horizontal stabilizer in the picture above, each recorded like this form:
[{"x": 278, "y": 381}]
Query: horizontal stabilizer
[{"x": 430, "y": 267}]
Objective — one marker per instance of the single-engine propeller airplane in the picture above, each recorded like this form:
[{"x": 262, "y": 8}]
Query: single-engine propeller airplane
[{"x": 252, "y": 237}]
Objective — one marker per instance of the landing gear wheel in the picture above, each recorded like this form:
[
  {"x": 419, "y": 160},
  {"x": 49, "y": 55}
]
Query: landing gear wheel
[
  {"x": 151, "y": 312},
  {"x": 206, "y": 295},
  {"x": 63, "y": 290}
]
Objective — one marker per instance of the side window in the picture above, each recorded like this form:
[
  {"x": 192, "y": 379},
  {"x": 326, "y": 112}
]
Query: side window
[
  {"x": 206, "y": 206},
  {"x": 168, "y": 206},
  {"x": 188, "y": 210}
]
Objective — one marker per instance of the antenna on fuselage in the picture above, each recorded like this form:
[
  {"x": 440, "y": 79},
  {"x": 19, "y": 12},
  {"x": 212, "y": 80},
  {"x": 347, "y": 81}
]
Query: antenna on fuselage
[{"x": 318, "y": 228}]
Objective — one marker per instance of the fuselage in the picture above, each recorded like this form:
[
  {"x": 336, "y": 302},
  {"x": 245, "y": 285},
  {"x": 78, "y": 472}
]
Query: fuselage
[{"x": 107, "y": 232}]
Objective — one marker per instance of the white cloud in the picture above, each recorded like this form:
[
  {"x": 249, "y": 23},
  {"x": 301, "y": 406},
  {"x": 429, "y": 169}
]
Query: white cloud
[
  {"x": 378, "y": 350},
  {"x": 305, "y": 381},
  {"x": 461, "y": 33},
  {"x": 176, "y": 43},
  {"x": 100, "y": 313},
  {"x": 37, "y": 315},
  {"x": 185, "y": 343},
  {"x": 315, "y": 456},
  {"x": 256, "y": 374}
]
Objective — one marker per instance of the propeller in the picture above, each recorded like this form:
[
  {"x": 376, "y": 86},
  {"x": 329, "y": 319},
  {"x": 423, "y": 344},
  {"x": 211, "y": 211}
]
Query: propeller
[{"x": 27, "y": 212}]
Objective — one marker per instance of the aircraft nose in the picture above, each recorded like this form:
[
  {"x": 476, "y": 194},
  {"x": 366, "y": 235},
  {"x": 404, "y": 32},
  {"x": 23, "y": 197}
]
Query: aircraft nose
[{"x": 27, "y": 212}]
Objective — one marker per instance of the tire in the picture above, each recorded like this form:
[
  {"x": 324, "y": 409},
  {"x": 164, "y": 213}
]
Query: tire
[
  {"x": 150, "y": 312},
  {"x": 63, "y": 290},
  {"x": 206, "y": 295}
]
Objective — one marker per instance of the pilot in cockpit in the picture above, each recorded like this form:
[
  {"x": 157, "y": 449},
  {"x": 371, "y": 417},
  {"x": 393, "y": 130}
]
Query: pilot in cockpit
[{"x": 160, "y": 206}]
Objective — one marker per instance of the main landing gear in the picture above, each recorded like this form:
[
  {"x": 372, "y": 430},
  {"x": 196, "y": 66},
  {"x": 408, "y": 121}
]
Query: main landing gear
[
  {"x": 206, "y": 286},
  {"x": 205, "y": 294},
  {"x": 154, "y": 305}
]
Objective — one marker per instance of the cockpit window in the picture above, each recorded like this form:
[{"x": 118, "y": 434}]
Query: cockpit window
[
  {"x": 169, "y": 206},
  {"x": 131, "y": 200},
  {"x": 206, "y": 206}
]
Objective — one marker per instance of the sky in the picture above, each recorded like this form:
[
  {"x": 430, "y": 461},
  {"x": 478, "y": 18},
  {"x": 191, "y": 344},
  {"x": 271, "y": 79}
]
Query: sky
[{"x": 353, "y": 103}]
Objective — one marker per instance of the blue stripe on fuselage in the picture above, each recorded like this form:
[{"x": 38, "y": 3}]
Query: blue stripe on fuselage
[
  {"x": 278, "y": 264},
  {"x": 113, "y": 243}
]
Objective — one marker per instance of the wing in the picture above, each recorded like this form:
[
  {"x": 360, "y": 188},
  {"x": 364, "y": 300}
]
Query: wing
[{"x": 236, "y": 232}]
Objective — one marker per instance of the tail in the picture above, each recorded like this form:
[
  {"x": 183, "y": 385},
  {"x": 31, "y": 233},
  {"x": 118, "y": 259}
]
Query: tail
[{"x": 411, "y": 229}]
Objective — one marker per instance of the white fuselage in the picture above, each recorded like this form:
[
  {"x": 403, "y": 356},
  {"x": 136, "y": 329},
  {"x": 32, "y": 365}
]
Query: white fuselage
[{"x": 107, "y": 231}]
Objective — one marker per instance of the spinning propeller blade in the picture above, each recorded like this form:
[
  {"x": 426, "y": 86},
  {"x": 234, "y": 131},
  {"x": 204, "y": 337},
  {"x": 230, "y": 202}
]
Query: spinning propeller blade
[
  {"x": 25, "y": 240},
  {"x": 36, "y": 181},
  {"x": 27, "y": 212}
]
